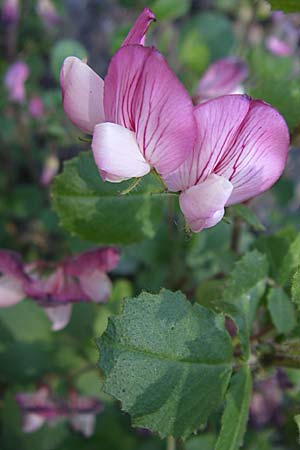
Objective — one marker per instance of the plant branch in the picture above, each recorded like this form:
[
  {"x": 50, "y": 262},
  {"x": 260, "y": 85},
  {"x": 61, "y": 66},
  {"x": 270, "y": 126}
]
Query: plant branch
[
  {"x": 171, "y": 443},
  {"x": 131, "y": 186},
  {"x": 280, "y": 357}
]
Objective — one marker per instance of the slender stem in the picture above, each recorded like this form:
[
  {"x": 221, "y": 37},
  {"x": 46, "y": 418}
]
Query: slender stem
[
  {"x": 84, "y": 139},
  {"x": 131, "y": 186},
  {"x": 158, "y": 177},
  {"x": 236, "y": 235},
  {"x": 171, "y": 443},
  {"x": 280, "y": 356}
]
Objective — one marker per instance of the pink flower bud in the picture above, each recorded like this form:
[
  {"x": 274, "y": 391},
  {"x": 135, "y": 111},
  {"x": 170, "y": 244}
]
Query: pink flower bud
[{"x": 14, "y": 81}]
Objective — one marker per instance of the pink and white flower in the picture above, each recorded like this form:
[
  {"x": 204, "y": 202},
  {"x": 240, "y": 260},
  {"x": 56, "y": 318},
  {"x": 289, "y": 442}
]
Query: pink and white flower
[
  {"x": 48, "y": 13},
  {"x": 14, "y": 81},
  {"x": 40, "y": 407},
  {"x": 224, "y": 76},
  {"x": 81, "y": 278},
  {"x": 141, "y": 117},
  {"x": 10, "y": 12},
  {"x": 240, "y": 151}
]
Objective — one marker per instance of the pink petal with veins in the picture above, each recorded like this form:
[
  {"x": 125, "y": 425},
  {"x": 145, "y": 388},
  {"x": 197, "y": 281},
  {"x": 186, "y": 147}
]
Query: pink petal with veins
[
  {"x": 137, "y": 34},
  {"x": 143, "y": 95}
]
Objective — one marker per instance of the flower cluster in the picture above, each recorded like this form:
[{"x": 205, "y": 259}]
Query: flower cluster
[
  {"x": 221, "y": 152},
  {"x": 42, "y": 407},
  {"x": 81, "y": 278}
]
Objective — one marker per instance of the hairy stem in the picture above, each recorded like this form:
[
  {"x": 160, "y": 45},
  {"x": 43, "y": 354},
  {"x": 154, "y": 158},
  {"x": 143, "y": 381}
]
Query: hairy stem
[
  {"x": 171, "y": 443},
  {"x": 159, "y": 178},
  {"x": 131, "y": 186},
  {"x": 236, "y": 236}
]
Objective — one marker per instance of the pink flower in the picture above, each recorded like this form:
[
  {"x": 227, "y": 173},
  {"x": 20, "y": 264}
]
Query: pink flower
[
  {"x": 36, "y": 107},
  {"x": 13, "y": 278},
  {"x": 82, "y": 413},
  {"x": 81, "y": 278},
  {"x": 37, "y": 408},
  {"x": 42, "y": 407},
  {"x": 14, "y": 81},
  {"x": 48, "y": 13},
  {"x": 140, "y": 115},
  {"x": 222, "y": 77},
  {"x": 240, "y": 152},
  {"x": 278, "y": 46},
  {"x": 10, "y": 12}
]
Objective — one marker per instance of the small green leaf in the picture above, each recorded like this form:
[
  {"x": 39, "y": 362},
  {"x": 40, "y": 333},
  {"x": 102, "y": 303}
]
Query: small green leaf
[
  {"x": 244, "y": 213},
  {"x": 297, "y": 420},
  {"x": 291, "y": 261},
  {"x": 170, "y": 9},
  {"x": 244, "y": 289},
  {"x": 295, "y": 290},
  {"x": 95, "y": 210},
  {"x": 287, "y": 6},
  {"x": 236, "y": 411},
  {"x": 282, "y": 310},
  {"x": 168, "y": 362}
]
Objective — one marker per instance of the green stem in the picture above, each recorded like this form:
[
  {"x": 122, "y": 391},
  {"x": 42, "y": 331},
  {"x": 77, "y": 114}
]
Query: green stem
[
  {"x": 171, "y": 443},
  {"x": 84, "y": 139},
  {"x": 158, "y": 177},
  {"x": 131, "y": 186},
  {"x": 277, "y": 356}
]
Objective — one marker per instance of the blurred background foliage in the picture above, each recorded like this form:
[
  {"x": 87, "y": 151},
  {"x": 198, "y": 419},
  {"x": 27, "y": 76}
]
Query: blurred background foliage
[{"x": 191, "y": 34}]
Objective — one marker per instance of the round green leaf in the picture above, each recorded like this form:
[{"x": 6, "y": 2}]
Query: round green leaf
[
  {"x": 95, "y": 210},
  {"x": 168, "y": 362}
]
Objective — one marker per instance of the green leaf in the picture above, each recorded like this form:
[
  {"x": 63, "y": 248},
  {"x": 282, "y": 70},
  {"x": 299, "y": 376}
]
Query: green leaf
[
  {"x": 282, "y": 310},
  {"x": 168, "y": 362},
  {"x": 245, "y": 287},
  {"x": 291, "y": 261},
  {"x": 26, "y": 321},
  {"x": 248, "y": 216},
  {"x": 214, "y": 31},
  {"x": 295, "y": 290},
  {"x": 170, "y": 9},
  {"x": 273, "y": 83},
  {"x": 297, "y": 420},
  {"x": 275, "y": 248},
  {"x": 236, "y": 411},
  {"x": 61, "y": 50},
  {"x": 203, "y": 442},
  {"x": 287, "y": 6},
  {"x": 94, "y": 210}
]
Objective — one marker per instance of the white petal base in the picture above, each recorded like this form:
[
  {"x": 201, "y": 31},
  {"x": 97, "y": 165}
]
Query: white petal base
[
  {"x": 203, "y": 204},
  {"x": 117, "y": 154}
]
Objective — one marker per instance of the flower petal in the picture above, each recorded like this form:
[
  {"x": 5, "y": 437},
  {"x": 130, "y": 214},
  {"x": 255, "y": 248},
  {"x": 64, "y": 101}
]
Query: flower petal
[
  {"x": 142, "y": 94},
  {"x": 32, "y": 422},
  {"x": 137, "y": 34},
  {"x": 203, "y": 204},
  {"x": 11, "y": 291},
  {"x": 96, "y": 285},
  {"x": 103, "y": 259},
  {"x": 83, "y": 423},
  {"x": 258, "y": 156},
  {"x": 82, "y": 93},
  {"x": 218, "y": 122},
  {"x": 222, "y": 77},
  {"x": 59, "y": 316},
  {"x": 117, "y": 154}
]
